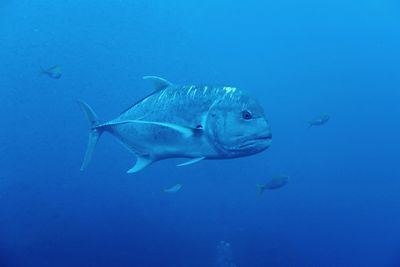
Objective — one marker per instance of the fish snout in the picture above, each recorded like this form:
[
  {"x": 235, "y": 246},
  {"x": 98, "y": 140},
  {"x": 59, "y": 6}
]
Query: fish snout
[
  {"x": 266, "y": 132},
  {"x": 264, "y": 137}
]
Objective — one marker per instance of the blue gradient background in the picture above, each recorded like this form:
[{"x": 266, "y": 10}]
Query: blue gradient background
[{"x": 299, "y": 58}]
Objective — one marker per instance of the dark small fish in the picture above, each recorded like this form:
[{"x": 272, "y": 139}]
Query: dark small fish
[
  {"x": 54, "y": 72},
  {"x": 321, "y": 120},
  {"x": 275, "y": 183}
]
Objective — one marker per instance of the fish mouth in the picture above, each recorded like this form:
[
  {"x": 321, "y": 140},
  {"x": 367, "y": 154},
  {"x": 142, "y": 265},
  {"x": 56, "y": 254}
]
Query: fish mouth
[
  {"x": 264, "y": 137},
  {"x": 263, "y": 140}
]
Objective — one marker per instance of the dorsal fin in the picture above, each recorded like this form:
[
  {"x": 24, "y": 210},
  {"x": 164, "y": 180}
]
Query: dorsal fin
[{"x": 158, "y": 82}]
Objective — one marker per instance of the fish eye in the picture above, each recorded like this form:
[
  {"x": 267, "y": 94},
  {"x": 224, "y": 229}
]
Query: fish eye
[{"x": 246, "y": 115}]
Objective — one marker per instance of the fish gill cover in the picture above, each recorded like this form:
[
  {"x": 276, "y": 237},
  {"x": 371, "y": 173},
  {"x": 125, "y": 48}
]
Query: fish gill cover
[{"x": 334, "y": 64}]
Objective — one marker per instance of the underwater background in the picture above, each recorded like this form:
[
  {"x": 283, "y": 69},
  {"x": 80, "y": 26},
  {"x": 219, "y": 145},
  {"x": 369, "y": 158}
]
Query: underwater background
[{"x": 301, "y": 59}]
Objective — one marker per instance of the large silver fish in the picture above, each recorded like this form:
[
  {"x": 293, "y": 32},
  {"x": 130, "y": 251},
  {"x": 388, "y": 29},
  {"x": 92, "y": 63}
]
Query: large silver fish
[{"x": 194, "y": 122}]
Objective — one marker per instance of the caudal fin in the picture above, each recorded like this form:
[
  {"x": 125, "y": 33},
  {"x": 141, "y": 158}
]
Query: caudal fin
[
  {"x": 94, "y": 133},
  {"x": 261, "y": 188},
  {"x": 42, "y": 71}
]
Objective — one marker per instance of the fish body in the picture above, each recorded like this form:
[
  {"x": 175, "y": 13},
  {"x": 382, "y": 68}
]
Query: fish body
[
  {"x": 275, "y": 183},
  {"x": 194, "y": 122},
  {"x": 54, "y": 72},
  {"x": 319, "y": 121},
  {"x": 173, "y": 189}
]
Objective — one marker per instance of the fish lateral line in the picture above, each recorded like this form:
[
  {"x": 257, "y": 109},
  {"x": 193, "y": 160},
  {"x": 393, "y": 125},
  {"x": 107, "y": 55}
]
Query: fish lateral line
[{"x": 184, "y": 130}]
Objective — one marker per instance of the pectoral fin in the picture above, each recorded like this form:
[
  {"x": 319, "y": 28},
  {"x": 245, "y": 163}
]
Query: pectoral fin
[
  {"x": 192, "y": 161},
  {"x": 141, "y": 163}
]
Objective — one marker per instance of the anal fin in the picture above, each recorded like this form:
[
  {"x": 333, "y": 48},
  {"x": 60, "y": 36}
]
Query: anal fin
[
  {"x": 192, "y": 161},
  {"x": 141, "y": 163}
]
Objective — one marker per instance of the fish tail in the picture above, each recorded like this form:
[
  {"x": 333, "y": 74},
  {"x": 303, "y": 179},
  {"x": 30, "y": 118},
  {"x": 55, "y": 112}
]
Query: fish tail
[
  {"x": 42, "y": 71},
  {"x": 94, "y": 134},
  {"x": 260, "y": 188}
]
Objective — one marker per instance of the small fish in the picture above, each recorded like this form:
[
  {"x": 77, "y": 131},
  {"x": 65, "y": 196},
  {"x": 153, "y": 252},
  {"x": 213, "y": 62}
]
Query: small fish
[
  {"x": 54, "y": 72},
  {"x": 185, "y": 121},
  {"x": 321, "y": 120},
  {"x": 173, "y": 189},
  {"x": 275, "y": 183}
]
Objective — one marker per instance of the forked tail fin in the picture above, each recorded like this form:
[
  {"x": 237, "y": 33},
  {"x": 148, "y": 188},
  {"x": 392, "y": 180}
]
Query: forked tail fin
[
  {"x": 94, "y": 133},
  {"x": 42, "y": 71},
  {"x": 261, "y": 188}
]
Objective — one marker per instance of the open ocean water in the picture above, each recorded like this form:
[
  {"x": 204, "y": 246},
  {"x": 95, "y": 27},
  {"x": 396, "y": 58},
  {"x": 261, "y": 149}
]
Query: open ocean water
[{"x": 300, "y": 59}]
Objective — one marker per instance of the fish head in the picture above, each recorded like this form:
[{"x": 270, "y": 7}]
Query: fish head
[{"x": 237, "y": 126}]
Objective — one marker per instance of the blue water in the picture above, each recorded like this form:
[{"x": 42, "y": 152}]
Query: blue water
[{"x": 301, "y": 59}]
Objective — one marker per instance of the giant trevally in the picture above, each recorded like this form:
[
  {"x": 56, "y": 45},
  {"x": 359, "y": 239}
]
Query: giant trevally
[{"x": 194, "y": 122}]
